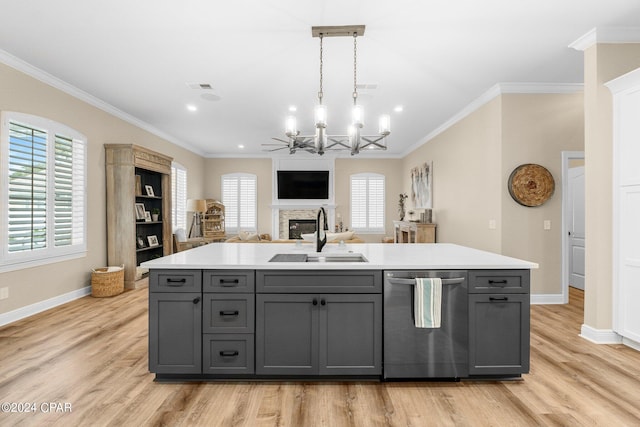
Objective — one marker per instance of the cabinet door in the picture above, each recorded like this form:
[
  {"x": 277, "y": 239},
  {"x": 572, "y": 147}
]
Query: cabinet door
[
  {"x": 175, "y": 333},
  {"x": 498, "y": 334},
  {"x": 350, "y": 334},
  {"x": 286, "y": 334}
]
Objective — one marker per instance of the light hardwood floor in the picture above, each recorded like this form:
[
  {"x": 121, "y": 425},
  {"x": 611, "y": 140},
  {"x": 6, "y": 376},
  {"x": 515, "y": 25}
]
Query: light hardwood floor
[{"x": 92, "y": 354}]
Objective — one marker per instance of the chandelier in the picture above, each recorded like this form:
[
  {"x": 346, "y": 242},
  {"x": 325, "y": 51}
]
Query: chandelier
[{"x": 353, "y": 140}]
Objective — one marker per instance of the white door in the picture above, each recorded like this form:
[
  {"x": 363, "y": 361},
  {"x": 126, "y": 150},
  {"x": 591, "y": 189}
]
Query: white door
[{"x": 576, "y": 227}]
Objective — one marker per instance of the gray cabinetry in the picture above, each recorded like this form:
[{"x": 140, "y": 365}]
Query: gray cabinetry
[
  {"x": 306, "y": 332},
  {"x": 499, "y": 322},
  {"x": 175, "y": 328},
  {"x": 228, "y": 322}
]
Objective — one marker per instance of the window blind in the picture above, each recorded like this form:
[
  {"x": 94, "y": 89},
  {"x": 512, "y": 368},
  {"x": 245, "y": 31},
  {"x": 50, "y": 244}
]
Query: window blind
[
  {"x": 179, "y": 196},
  {"x": 27, "y": 192},
  {"x": 239, "y": 196},
  {"x": 44, "y": 198},
  {"x": 367, "y": 203}
]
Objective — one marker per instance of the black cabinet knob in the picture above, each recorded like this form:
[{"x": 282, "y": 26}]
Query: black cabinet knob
[
  {"x": 196, "y": 300},
  {"x": 314, "y": 302},
  {"x": 323, "y": 302}
]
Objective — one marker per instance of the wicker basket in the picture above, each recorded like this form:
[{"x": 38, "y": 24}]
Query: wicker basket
[{"x": 107, "y": 281}]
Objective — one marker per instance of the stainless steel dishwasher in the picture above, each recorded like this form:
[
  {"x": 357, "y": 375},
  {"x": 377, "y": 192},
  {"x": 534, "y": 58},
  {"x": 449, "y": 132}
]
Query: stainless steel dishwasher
[{"x": 411, "y": 352}]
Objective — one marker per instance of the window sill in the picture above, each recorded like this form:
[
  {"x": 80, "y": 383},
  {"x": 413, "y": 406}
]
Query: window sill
[{"x": 22, "y": 265}]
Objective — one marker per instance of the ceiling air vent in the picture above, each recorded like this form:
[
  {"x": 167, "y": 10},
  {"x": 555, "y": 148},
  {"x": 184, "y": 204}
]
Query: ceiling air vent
[
  {"x": 200, "y": 86},
  {"x": 208, "y": 92}
]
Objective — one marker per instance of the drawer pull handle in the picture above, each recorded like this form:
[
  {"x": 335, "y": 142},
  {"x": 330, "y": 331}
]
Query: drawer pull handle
[
  {"x": 314, "y": 302},
  {"x": 323, "y": 302},
  {"x": 176, "y": 282},
  {"x": 196, "y": 300},
  {"x": 498, "y": 299},
  {"x": 229, "y": 282},
  {"x": 498, "y": 282},
  {"x": 229, "y": 313},
  {"x": 229, "y": 353}
]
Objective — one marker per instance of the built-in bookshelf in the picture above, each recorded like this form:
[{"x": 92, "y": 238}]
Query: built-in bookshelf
[{"x": 138, "y": 188}]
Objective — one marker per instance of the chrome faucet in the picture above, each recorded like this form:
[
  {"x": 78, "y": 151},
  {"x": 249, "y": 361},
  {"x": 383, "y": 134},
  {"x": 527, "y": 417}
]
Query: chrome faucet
[{"x": 320, "y": 230}]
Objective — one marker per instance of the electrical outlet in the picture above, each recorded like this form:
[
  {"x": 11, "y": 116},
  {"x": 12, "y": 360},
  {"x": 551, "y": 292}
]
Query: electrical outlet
[
  {"x": 492, "y": 224},
  {"x": 4, "y": 293},
  {"x": 547, "y": 224}
]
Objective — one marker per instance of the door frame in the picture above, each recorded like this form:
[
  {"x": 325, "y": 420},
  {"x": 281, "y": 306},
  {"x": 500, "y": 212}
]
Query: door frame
[{"x": 567, "y": 156}]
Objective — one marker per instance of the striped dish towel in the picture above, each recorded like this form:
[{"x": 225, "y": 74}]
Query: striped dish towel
[{"x": 427, "y": 302}]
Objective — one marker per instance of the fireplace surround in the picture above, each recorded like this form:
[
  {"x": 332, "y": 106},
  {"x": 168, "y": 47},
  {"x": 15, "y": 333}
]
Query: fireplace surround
[{"x": 298, "y": 227}]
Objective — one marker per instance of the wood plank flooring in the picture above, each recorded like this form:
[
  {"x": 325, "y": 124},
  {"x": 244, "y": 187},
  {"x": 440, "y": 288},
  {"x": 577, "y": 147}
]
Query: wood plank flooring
[{"x": 92, "y": 354}]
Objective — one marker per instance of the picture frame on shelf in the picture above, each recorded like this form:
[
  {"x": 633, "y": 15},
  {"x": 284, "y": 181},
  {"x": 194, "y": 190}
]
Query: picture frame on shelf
[
  {"x": 147, "y": 216},
  {"x": 149, "y": 190},
  {"x": 140, "y": 243},
  {"x": 153, "y": 240},
  {"x": 140, "y": 211}
]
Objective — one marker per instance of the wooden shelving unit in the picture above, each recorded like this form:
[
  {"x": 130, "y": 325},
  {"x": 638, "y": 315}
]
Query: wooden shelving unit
[
  {"x": 213, "y": 221},
  {"x": 129, "y": 169}
]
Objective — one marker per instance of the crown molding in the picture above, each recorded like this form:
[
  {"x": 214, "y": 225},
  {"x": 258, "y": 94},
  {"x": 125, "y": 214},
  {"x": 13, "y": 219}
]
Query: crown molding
[
  {"x": 38, "y": 74},
  {"x": 607, "y": 35},
  {"x": 495, "y": 91}
]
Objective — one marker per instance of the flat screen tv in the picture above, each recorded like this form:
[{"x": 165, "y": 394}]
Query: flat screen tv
[{"x": 303, "y": 184}]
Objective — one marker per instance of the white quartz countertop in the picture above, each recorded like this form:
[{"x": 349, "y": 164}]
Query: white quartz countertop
[{"x": 379, "y": 255}]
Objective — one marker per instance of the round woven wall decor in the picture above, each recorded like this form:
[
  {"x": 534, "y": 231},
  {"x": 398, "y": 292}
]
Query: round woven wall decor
[{"x": 531, "y": 185}]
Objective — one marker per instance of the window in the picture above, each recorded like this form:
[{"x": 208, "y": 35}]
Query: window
[
  {"x": 178, "y": 196},
  {"x": 43, "y": 198},
  {"x": 239, "y": 192},
  {"x": 367, "y": 203}
]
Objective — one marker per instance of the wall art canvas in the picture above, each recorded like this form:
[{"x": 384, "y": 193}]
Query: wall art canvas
[{"x": 421, "y": 186}]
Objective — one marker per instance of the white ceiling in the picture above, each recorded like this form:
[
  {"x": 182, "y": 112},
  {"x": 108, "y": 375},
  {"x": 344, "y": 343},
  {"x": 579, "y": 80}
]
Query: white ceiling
[{"x": 433, "y": 58}]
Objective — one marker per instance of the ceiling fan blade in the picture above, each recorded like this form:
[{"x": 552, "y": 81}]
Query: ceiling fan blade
[{"x": 281, "y": 140}]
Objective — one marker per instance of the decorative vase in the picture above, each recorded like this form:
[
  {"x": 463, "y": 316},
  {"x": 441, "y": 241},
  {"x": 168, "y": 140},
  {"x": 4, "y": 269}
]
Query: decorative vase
[{"x": 401, "y": 209}]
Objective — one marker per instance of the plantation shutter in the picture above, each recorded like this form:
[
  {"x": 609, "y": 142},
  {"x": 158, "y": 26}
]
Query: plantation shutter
[
  {"x": 179, "y": 196},
  {"x": 239, "y": 196},
  {"x": 69, "y": 192},
  {"x": 367, "y": 203},
  {"x": 27, "y": 189}
]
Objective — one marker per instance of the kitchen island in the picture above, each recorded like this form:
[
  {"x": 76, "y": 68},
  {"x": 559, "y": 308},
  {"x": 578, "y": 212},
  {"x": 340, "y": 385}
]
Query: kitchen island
[{"x": 283, "y": 311}]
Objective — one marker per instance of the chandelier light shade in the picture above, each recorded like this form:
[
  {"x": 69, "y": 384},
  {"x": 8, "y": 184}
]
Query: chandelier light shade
[{"x": 321, "y": 141}]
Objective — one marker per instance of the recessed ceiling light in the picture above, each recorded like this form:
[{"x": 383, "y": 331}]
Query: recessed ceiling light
[
  {"x": 241, "y": 146},
  {"x": 192, "y": 107},
  {"x": 293, "y": 108},
  {"x": 398, "y": 109}
]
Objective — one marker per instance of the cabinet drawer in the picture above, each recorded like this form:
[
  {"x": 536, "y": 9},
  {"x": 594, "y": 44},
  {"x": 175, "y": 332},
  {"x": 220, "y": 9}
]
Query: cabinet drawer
[
  {"x": 319, "y": 281},
  {"x": 228, "y": 281},
  {"x": 228, "y": 354},
  {"x": 175, "y": 281},
  {"x": 499, "y": 281},
  {"x": 228, "y": 313}
]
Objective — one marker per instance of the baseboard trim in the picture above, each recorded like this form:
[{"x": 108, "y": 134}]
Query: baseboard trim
[
  {"x": 547, "y": 299},
  {"x": 30, "y": 310},
  {"x": 600, "y": 336},
  {"x": 631, "y": 343}
]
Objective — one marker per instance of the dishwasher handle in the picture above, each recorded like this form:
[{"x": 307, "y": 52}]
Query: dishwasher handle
[{"x": 453, "y": 281}]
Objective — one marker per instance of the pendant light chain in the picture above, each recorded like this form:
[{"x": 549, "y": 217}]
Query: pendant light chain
[
  {"x": 320, "y": 94},
  {"x": 355, "y": 67}
]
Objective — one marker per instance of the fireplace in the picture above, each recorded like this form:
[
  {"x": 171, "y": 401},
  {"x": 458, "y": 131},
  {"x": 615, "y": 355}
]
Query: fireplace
[{"x": 298, "y": 227}]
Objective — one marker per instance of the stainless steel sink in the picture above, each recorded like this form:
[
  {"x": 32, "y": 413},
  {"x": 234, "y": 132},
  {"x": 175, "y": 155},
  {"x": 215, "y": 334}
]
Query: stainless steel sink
[
  {"x": 320, "y": 257},
  {"x": 343, "y": 257}
]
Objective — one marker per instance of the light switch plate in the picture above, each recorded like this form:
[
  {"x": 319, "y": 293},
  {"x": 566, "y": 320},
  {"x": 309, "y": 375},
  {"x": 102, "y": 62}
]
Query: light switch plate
[
  {"x": 4, "y": 293},
  {"x": 547, "y": 224},
  {"x": 492, "y": 224}
]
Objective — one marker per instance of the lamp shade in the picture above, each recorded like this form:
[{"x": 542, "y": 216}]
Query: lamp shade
[{"x": 196, "y": 205}]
